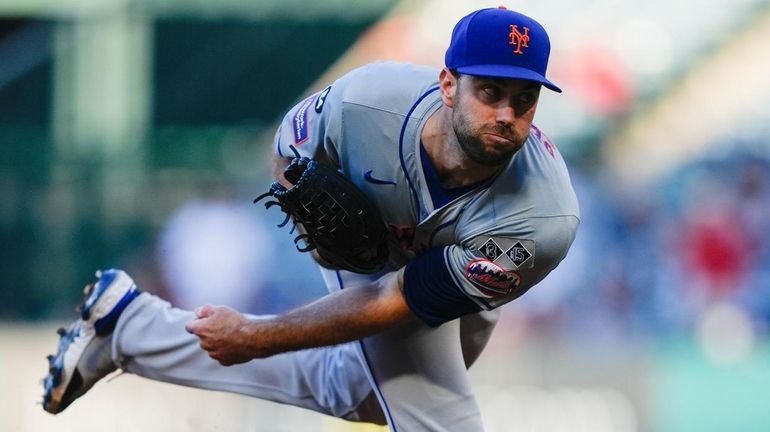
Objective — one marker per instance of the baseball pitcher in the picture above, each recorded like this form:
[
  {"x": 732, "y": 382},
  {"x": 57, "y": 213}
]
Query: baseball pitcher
[{"x": 429, "y": 199}]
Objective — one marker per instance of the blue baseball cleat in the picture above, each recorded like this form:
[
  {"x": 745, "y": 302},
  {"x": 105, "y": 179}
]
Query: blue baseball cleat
[{"x": 84, "y": 355}]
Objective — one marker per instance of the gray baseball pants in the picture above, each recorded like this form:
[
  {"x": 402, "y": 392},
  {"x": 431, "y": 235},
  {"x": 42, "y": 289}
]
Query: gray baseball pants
[{"x": 412, "y": 377}]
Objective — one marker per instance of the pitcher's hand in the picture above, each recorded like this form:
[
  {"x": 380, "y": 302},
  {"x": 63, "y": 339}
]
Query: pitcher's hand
[{"x": 224, "y": 334}]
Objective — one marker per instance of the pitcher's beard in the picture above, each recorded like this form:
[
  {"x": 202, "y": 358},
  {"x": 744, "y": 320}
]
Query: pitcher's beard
[{"x": 473, "y": 146}]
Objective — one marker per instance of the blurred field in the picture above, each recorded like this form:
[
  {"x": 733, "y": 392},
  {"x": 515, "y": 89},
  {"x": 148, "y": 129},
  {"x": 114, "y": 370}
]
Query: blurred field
[
  {"x": 513, "y": 392},
  {"x": 523, "y": 385}
]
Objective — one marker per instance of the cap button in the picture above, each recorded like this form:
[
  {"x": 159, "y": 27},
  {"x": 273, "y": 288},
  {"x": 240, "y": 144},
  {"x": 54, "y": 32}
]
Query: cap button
[{"x": 502, "y": 7}]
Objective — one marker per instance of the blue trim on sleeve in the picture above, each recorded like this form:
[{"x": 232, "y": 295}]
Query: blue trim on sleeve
[
  {"x": 430, "y": 291},
  {"x": 480, "y": 300}
]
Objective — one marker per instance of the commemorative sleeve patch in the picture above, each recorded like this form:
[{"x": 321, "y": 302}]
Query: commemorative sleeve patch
[
  {"x": 507, "y": 253},
  {"x": 490, "y": 278},
  {"x": 300, "y": 121}
]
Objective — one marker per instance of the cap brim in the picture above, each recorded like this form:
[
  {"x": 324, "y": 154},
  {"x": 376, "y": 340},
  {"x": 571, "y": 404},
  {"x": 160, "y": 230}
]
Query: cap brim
[{"x": 509, "y": 72}]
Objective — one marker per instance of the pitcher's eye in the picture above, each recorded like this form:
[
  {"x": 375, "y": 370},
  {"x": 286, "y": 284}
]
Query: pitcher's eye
[
  {"x": 526, "y": 98},
  {"x": 491, "y": 92}
]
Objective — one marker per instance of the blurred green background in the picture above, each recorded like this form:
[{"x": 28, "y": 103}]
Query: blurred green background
[{"x": 134, "y": 134}]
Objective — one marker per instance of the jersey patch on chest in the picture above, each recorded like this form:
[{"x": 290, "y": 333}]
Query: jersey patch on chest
[{"x": 508, "y": 253}]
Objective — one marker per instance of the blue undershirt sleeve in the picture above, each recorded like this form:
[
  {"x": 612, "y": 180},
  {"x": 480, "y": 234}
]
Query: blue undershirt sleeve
[{"x": 430, "y": 292}]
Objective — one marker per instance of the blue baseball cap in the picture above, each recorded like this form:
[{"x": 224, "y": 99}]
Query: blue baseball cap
[{"x": 500, "y": 43}]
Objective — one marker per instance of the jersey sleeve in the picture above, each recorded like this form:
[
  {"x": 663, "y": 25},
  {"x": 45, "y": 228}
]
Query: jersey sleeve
[
  {"x": 431, "y": 292},
  {"x": 312, "y": 127},
  {"x": 485, "y": 272}
]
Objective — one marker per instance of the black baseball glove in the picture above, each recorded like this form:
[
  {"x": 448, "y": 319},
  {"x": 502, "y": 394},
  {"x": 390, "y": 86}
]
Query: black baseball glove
[{"x": 339, "y": 221}]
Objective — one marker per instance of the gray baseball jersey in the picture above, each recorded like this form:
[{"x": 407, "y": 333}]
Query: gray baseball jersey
[
  {"x": 486, "y": 244},
  {"x": 466, "y": 251}
]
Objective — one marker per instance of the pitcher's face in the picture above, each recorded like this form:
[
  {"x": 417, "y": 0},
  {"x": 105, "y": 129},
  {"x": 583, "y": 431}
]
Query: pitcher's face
[{"x": 491, "y": 117}]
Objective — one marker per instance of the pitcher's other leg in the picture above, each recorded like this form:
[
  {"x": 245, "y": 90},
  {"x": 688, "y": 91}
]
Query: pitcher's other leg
[
  {"x": 418, "y": 374},
  {"x": 150, "y": 341},
  {"x": 474, "y": 333}
]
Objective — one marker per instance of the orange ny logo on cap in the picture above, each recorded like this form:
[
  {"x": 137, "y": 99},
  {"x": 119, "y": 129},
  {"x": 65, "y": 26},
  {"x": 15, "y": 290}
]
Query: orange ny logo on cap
[{"x": 519, "y": 39}]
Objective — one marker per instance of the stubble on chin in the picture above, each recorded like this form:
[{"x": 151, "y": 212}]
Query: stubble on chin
[
  {"x": 474, "y": 148},
  {"x": 471, "y": 141}
]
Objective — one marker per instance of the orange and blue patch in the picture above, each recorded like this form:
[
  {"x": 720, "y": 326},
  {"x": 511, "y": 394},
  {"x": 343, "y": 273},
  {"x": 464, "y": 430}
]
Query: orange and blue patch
[{"x": 490, "y": 278}]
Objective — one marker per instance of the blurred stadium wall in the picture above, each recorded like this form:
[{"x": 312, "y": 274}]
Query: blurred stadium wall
[
  {"x": 117, "y": 117},
  {"x": 115, "y": 113}
]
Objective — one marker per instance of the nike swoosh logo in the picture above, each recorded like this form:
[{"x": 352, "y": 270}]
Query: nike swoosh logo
[{"x": 368, "y": 177}]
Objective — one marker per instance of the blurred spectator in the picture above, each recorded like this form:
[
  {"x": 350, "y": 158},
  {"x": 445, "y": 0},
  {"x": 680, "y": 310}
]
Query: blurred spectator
[
  {"x": 215, "y": 252},
  {"x": 654, "y": 261},
  {"x": 753, "y": 197}
]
